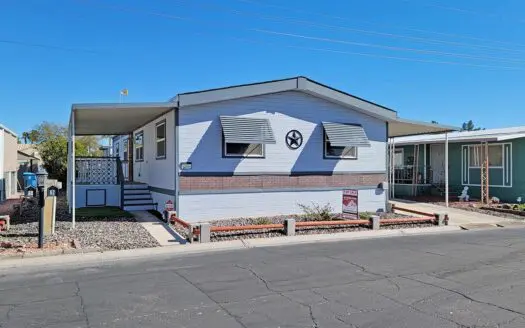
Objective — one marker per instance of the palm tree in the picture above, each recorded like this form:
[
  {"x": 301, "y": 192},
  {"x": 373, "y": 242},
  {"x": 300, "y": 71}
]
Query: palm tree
[{"x": 26, "y": 136}]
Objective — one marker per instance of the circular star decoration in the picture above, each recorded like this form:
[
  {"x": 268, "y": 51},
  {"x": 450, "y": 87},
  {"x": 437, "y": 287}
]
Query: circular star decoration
[{"x": 294, "y": 139}]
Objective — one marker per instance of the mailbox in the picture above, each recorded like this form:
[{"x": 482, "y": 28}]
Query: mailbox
[{"x": 52, "y": 191}]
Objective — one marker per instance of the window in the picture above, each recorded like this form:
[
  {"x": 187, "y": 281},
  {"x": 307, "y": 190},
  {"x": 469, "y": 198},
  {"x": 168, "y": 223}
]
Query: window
[
  {"x": 139, "y": 147},
  {"x": 160, "y": 139},
  {"x": 243, "y": 150},
  {"x": 399, "y": 157},
  {"x": 338, "y": 151},
  {"x": 126, "y": 148},
  {"x": 477, "y": 155}
]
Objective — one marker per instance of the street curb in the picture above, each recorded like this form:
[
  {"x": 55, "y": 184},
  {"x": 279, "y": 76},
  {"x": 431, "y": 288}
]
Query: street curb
[{"x": 99, "y": 256}]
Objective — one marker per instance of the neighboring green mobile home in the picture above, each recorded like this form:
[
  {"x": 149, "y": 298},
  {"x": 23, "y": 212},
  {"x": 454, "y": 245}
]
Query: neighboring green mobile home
[{"x": 506, "y": 153}]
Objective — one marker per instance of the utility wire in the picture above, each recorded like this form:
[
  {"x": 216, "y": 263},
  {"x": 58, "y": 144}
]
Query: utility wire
[
  {"x": 413, "y": 29},
  {"x": 373, "y": 45},
  {"x": 363, "y": 31},
  {"x": 159, "y": 14},
  {"x": 47, "y": 46}
]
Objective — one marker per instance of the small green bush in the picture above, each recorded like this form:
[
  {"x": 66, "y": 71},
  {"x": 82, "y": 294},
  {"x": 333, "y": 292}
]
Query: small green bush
[
  {"x": 262, "y": 221},
  {"x": 317, "y": 212},
  {"x": 365, "y": 215}
]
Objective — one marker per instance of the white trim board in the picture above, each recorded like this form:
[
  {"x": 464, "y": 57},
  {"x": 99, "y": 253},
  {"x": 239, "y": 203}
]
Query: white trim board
[{"x": 506, "y": 168}]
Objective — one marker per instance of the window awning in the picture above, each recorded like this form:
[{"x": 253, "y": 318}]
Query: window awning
[
  {"x": 346, "y": 135},
  {"x": 247, "y": 130}
]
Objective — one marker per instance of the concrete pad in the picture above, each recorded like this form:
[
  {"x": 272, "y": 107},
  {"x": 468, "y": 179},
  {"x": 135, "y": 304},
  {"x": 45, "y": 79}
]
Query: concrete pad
[
  {"x": 158, "y": 229},
  {"x": 457, "y": 217},
  {"x": 470, "y": 226},
  {"x": 513, "y": 224}
]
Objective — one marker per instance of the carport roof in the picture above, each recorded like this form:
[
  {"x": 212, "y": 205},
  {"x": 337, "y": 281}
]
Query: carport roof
[{"x": 115, "y": 119}]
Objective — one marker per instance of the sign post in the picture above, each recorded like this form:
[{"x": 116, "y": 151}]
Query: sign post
[{"x": 350, "y": 201}]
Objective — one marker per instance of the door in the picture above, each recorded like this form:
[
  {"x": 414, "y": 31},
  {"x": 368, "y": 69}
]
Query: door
[{"x": 437, "y": 163}]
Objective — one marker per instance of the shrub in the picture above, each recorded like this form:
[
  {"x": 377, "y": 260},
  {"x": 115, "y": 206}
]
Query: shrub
[
  {"x": 365, "y": 215},
  {"x": 317, "y": 212},
  {"x": 262, "y": 221}
]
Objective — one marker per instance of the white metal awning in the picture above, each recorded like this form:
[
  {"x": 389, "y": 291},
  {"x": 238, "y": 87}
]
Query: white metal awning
[
  {"x": 400, "y": 127},
  {"x": 346, "y": 135},
  {"x": 238, "y": 129},
  {"x": 115, "y": 119}
]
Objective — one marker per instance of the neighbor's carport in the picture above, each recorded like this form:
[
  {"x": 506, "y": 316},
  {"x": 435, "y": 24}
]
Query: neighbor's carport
[{"x": 106, "y": 119}]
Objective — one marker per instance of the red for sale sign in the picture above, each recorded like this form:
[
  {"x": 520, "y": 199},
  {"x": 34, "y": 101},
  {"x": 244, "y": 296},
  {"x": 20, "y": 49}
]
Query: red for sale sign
[{"x": 350, "y": 201}]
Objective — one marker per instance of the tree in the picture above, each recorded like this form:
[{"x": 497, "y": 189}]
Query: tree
[
  {"x": 469, "y": 126},
  {"x": 25, "y": 136},
  {"x": 434, "y": 122},
  {"x": 52, "y": 144}
]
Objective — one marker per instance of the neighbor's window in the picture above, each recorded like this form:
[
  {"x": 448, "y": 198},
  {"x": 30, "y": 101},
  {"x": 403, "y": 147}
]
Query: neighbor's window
[
  {"x": 399, "y": 157},
  {"x": 338, "y": 152},
  {"x": 117, "y": 149},
  {"x": 160, "y": 129},
  {"x": 243, "y": 150},
  {"x": 477, "y": 155},
  {"x": 139, "y": 146},
  {"x": 125, "y": 150}
]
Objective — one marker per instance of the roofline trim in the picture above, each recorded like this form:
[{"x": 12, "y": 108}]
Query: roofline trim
[
  {"x": 6, "y": 129},
  {"x": 300, "y": 83}
]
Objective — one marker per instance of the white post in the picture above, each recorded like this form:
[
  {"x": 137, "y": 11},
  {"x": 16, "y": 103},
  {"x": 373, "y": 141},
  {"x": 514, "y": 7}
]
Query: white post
[
  {"x": 393, "y": 168},
  {"x": 446, "y": 169},
  {"x": 68, "y": 178},
  {"x": 425, "y": 163},
  {"x": 73, "y": 171}
]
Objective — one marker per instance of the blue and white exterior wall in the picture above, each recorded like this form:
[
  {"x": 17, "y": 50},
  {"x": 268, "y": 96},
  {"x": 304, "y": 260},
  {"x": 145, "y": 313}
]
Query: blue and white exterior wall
[
  {"x": 157, "y": 173},
  {"x": 216, "y": 187}
]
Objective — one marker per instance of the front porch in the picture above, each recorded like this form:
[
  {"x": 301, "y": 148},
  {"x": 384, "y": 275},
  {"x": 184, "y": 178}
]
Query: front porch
[
  {"x": 108, "y": 181},
  {"x": 100, "y": 181}
]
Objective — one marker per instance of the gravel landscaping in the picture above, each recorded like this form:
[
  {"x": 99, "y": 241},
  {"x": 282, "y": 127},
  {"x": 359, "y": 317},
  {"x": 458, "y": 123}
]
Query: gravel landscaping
[
  {"x": 103, "y": 233},
  {"x": 250, "y": 234}
]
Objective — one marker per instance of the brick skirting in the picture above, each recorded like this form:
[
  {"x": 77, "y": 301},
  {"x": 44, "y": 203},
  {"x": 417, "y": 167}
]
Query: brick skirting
[{"x": 193, "y": 183}]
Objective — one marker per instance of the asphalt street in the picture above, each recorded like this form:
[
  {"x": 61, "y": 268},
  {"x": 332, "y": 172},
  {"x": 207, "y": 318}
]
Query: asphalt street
[{"x": 467, "y": 279}]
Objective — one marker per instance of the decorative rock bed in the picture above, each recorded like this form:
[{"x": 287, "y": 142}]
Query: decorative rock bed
[
  {"x": 279, "y": 232},
  {"x": 90, "y": 233}
]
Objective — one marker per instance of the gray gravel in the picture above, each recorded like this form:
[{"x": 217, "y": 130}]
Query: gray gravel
[{"x": 101, "y": 233}]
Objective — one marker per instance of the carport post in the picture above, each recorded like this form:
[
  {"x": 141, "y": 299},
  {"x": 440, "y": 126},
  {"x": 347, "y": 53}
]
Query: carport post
[
  {"x": 446, "y": 169},
  {"x": 73, "y": 171}
]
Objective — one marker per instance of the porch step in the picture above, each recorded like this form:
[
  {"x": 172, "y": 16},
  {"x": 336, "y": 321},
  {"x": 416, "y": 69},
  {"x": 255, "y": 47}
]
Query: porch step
[
  {"x": 137, "y": 196},
  {"x": 136, "y": 191},
  {"x": 138, "y": 201},
  {"x": 132, "y": 186},
  {"x": 140, "y": 207}
]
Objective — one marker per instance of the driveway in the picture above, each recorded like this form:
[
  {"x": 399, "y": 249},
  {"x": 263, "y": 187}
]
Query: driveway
[
  {"x": 462, "y": 279},
  {"x": 458, "y": 217}
]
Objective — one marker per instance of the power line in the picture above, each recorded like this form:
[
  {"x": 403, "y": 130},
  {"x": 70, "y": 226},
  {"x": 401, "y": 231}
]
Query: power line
[
  {"x": 48, "y": 46},
  {"x": 364, "y": 31},
  {"x": 379, "y": 56},
  {"x": 148, "y": 12},
  {"x": 413, "y": 29},
  {"x": 372, "y": 45}
]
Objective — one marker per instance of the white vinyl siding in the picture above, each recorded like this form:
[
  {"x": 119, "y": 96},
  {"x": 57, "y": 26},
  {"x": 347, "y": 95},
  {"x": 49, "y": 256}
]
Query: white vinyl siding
[
  {"x": 157, "y": 173},
  {"x": 233, "y": 205},
  {"x": 201, "y": 143}
]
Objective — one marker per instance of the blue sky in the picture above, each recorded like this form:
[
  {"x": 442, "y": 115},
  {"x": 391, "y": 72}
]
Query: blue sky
[{"x": 455, "y": 60}]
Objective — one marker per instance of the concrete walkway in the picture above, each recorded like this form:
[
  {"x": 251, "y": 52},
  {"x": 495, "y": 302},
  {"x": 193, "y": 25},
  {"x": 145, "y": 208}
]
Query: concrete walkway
[
  {"x": 158, "y": 229},
  {"x": 458, "y": 217}
]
